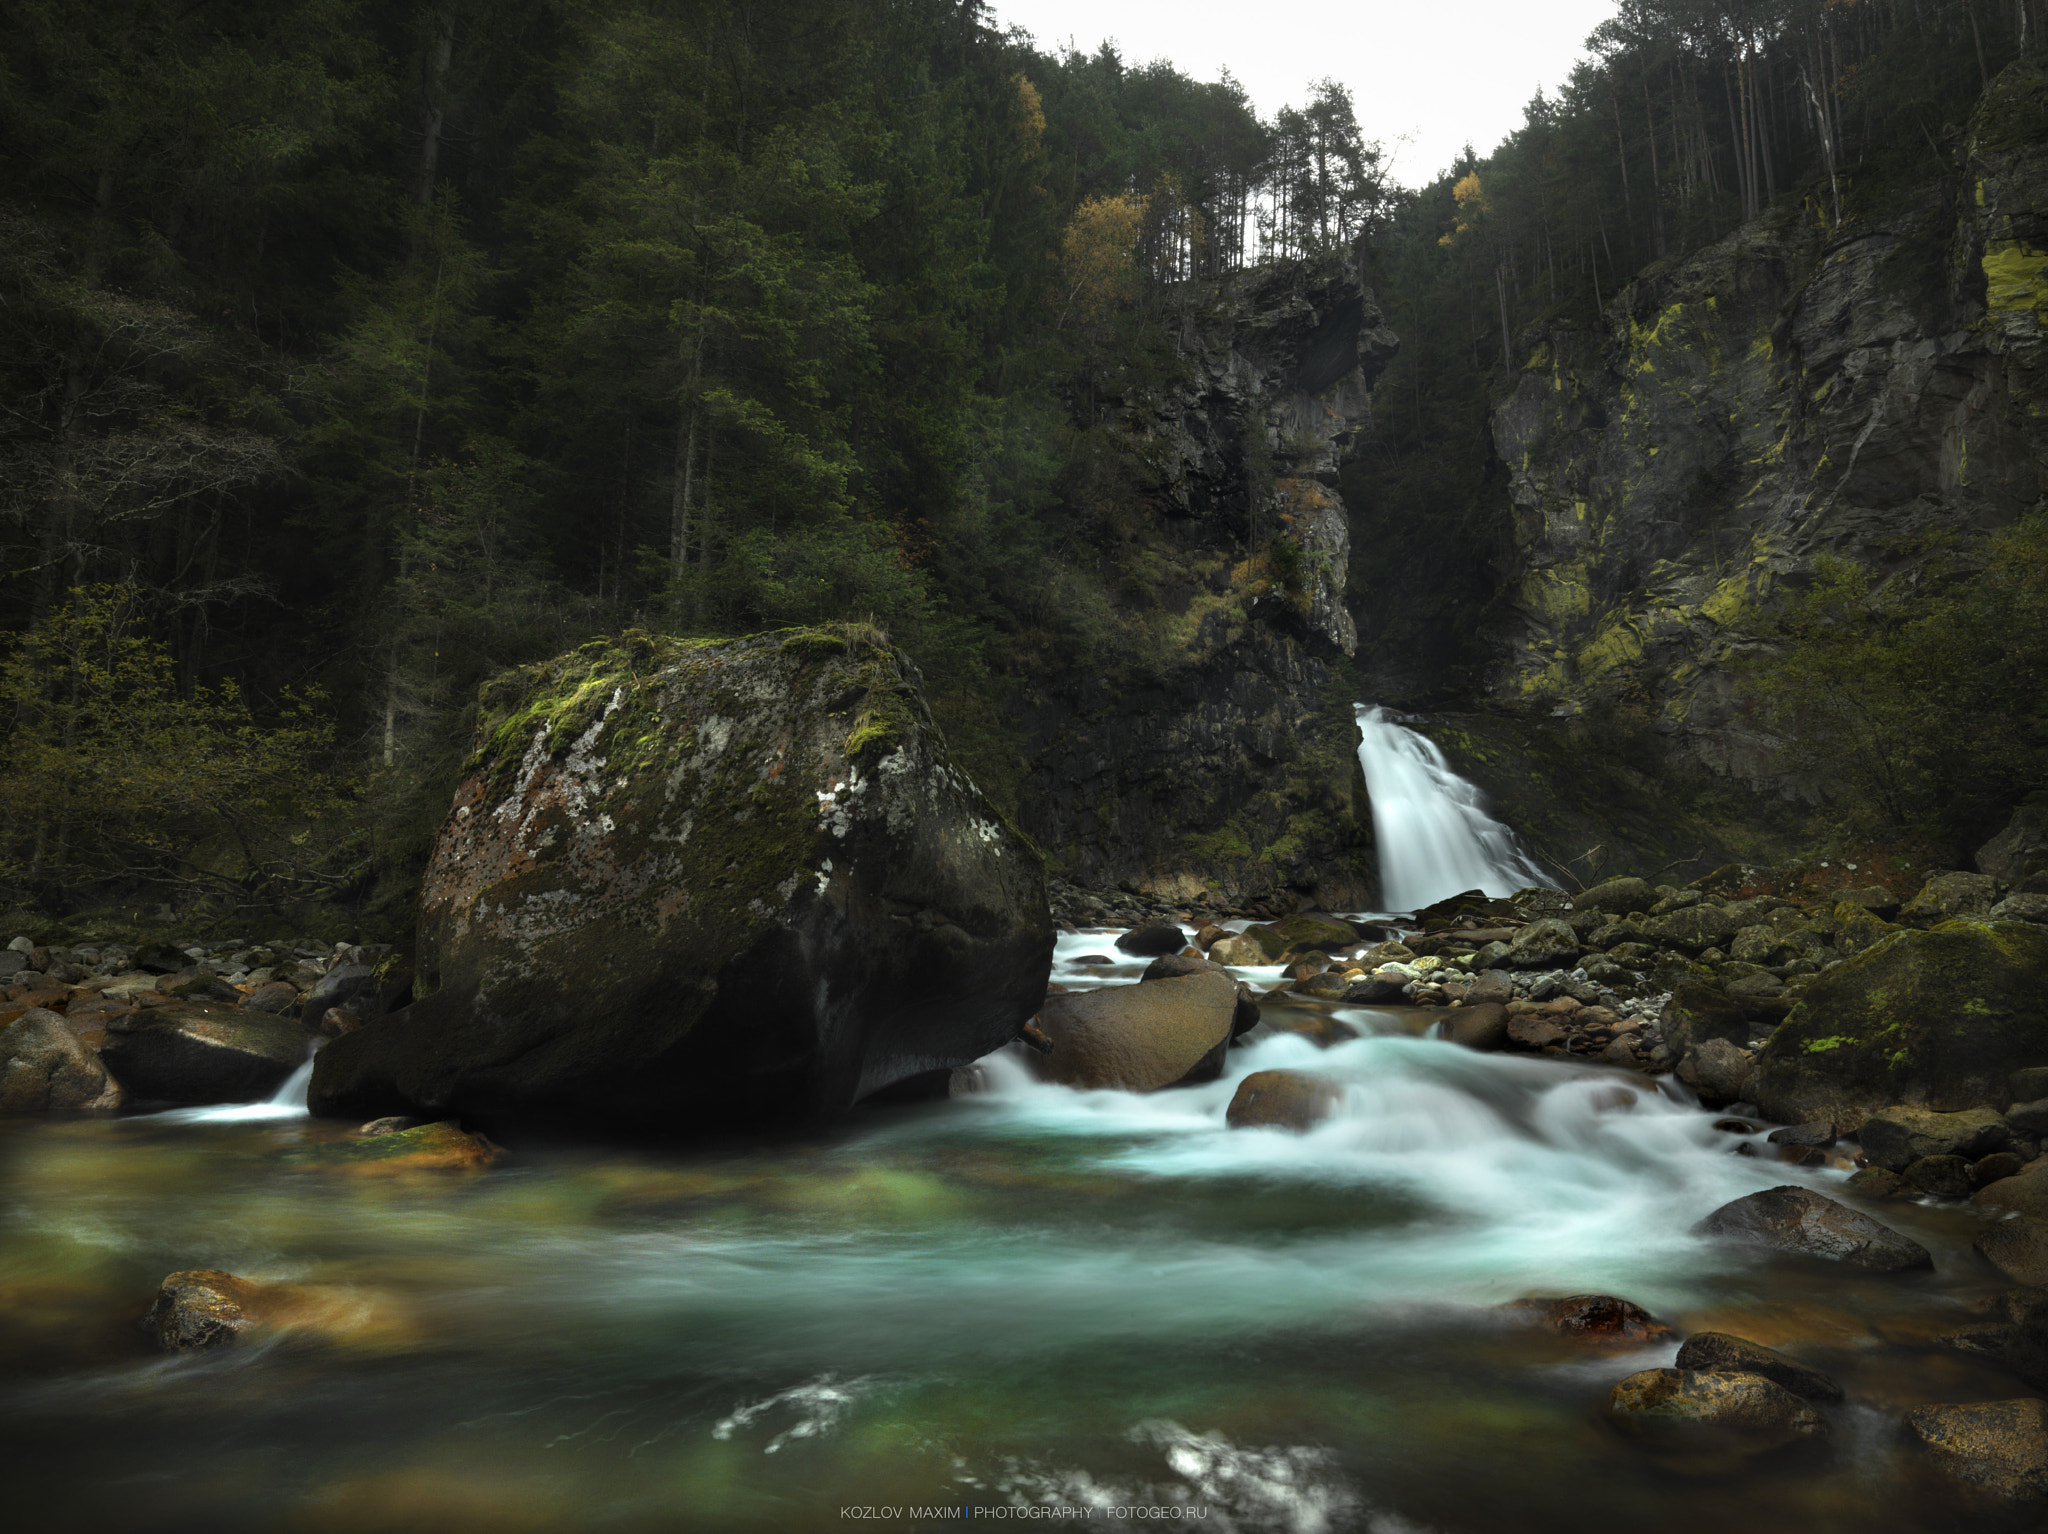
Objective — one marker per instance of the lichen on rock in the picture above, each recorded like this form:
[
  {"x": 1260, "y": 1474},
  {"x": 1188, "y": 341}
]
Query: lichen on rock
[{"x": 688, "y": 884}]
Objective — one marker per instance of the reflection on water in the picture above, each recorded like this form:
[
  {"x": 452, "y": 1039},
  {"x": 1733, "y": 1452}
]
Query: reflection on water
[{"x": 1034, "y": 1295}]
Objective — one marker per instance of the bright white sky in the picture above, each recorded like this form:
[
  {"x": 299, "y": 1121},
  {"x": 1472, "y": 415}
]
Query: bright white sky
[{"x": 1440, "y": 71}]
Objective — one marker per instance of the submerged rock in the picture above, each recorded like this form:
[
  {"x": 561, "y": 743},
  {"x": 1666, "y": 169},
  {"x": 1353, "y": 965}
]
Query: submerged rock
[
  {"x": 196, "y": 1052},
  {"x": 1691, "y": 1412},
  {"x": 1723, "y": 1353},
  {"x": 1937, "y": 1018},
  {"x": 1996, "y": 1448},
  {"x": 440, "y": 1147},
  {"x": 1803, "y": 1223},
  {"x": 1599, "y": 1318},
  {"x": 1139, "y": 1037},
  {"x": 1296, "y": 1100},
  {"x": 200, "y": 1308},
  {"x": 687, "y": 885},
  {"x": 45, "y": 1066}
]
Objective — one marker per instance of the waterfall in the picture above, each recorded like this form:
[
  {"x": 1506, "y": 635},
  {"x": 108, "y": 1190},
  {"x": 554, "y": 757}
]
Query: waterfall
[
  {"x": 1435, "y": 837},
  {"x": 287, "y": 1102}
]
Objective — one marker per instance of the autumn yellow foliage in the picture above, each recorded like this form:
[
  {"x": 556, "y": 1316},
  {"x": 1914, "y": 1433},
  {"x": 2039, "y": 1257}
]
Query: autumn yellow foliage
[{"x": 1099, "y": 255}]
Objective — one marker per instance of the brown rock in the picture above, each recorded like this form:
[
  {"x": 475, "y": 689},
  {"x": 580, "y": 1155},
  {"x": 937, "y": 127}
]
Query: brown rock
[
  {"x": 1532, "y": 1030},
  {"x": 1941, "y": 1176},
  {"x": 200, "y": 1308},
  {"x": 1691, "y": 1412},
  {"x": 1597, "y": 1318},
  {"x": 336, "y": 1021},
  {"x": 1483, "y": 1026},
  {"x": 2017, "y": 1247},
  {"x": 1294, "y": 1100},
  {"x": 1138, "y": 1037},
  {"x": 441, "y": 1147},
  {"x": 1997, "y": 1448},
  {"x": 2025, "y": 1192},
  {"x": 45, "y": 1066},
  {"x": 1986, "y": 1170},
  {"x": 276, "y": 997},
  {"x": 1723, "y": 1353}
]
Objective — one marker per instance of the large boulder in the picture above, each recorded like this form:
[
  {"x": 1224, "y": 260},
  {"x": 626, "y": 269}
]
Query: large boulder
[
  {"x": 2020, "y": 851},
  {"x": 1316, "y": 930},
  {"x": 1693, "y": 929},
  {"x": 44, "y": 1065},
  {"x": 1996, "y": 1448},
  {"x": 1698, "y": 1012},
  {"x": 1139, "y": 1037},
  {"x": 201, "y": 1052},
  {"x": 1937, "y": 1019},
  {"x": 1544, "y": 944},
  {"x": 1803, "y": 1223},
  {"x": 686, "y": 885}
]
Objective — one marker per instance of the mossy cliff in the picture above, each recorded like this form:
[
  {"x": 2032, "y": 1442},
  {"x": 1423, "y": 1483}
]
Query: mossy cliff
[
  {"x": 1206, "y": 750},
  {"x": 1873, "y": 391},
  {"x": 687, "y": 883}
]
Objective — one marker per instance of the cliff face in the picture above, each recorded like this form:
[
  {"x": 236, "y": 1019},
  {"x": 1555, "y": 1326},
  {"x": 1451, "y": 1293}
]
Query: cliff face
[
  {"x": 1224, "y": 765},
  {"x": 1786, "y": 394}
]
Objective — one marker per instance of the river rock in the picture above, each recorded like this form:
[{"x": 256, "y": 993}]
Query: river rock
[
  {"x": 1896, "y": 1137},
  {"x": 196, "y": 1052},
  {"x": 687, "y": 885},
  {"x": 2023, "y": 906},
  {"x": 200, "y": 1308},
  {"x": 1237, "y": 949},
  {"x": 1692, "y": 929},
  {"x": 437, "y": 1147},
  {"x": 1138, "y": 1037},
  {"x": 1996, "y": 1448},
  {"x": 2017, "y": 1247},
  {"x": 1949, "y": 895},
  {"x": 1544, "y": 944},
  {"x": 1316, "y": 930},
  {"x": 1724, "y": 1353},
  {"x": 1941, "y": 1176},
  {"x": 1482, "y": 1027},
  {"x": 352, "y": 987},
  {"x": 1801, "y": 1222},
  {"x": 1155, "y": 939},
  {"x": 1617, "y": 897},
  {"x": 1297, "y": 1100},
  {"x": 1698, "y": 1012},
  {"x": 1168, "y": 965},
  {"x": 273, "y": 996},
  {"x": 1937, "y": 1019},
  {"x": 1719, "y": 1071},
  {"x": 1596, "y": 1318},
  {"x": 45, "y": 1066},
  {"x": 1685, "y": 1411}
]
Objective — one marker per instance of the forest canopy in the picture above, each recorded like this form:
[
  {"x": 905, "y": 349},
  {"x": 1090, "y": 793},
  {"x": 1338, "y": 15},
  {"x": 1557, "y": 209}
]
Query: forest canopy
[{"x": 371, "y": 347}]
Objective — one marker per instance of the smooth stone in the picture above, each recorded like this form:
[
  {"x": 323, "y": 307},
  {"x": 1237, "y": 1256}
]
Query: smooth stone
[
  {"x": 1941, "y": 1176},
  {"x": 1482, "y": 1027},
  {"x": 1724, "y": 1353},
  {"x": 1296, "y": 1100},
  {"x": 1686, "y": 1410},
  {"x": 1156, "y": 939},
  {"x": 1896, "y": 1137},
  {"x": 1597, "y": 1318},
  {"x": 1137, "y": 1038},
  {"x": 45, "y": 1066},
  {"x": 1801, "y": 1222}
]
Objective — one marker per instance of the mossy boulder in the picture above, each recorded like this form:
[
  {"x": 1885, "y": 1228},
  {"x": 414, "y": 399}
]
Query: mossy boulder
[
  {"x": 1949, "y": 895},
  {"x": 687, "y": 886},
  {"x": 1311, "y": 930},
  {"x": 1936, "y": 1019},
  {"x": 1618, "y": 897}
]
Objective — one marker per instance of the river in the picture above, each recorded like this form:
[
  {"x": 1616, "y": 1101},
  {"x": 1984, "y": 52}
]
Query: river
[{"x": 1095, "y": 1304}]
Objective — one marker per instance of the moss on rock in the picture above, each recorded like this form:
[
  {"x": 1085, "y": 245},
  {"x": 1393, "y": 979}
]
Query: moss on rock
[{"x": 1937, "y": 1019}]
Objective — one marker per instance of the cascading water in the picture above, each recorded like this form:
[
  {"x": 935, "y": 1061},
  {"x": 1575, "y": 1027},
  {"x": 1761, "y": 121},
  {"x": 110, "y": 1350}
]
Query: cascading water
[{"x": 1435, "y": 837}]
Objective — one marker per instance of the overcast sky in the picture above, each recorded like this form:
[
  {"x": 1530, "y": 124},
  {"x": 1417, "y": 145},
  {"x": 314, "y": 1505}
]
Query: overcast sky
[{"x": 1441, "y": 71}]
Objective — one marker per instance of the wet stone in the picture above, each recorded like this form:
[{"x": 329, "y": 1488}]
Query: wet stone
[
  {"x": 1941, "y": 1176},
  {"x": 1995, "y": 1448},
  {"x": 1724, "y": 1353},
  {"x": 1798, "y": 1221},
  {"x": 1596, "y": 1318},
  {"x": 1692, "y": 1411}
]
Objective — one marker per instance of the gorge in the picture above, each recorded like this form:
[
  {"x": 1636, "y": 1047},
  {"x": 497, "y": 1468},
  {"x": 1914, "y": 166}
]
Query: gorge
[{"x": 785, "y": 766}]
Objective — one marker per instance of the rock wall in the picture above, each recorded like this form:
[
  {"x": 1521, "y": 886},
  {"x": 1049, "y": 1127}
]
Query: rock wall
[
  {"x": 1226, "y": 770},
  {"x": 1788, "y": 393}
]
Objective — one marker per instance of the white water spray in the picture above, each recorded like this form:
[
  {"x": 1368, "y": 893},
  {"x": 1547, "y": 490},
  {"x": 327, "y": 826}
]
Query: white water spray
[
  {"x": 287, "y": 1102},
  {"x": 1435, "y": 837}
]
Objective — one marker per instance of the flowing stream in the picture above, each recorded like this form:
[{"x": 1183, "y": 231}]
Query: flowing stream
[{"x": 1435, "y": 837}]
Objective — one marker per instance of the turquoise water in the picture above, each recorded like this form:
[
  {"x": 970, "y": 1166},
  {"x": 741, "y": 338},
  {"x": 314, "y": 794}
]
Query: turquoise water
[{"x": 1080, "y": 1302}]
